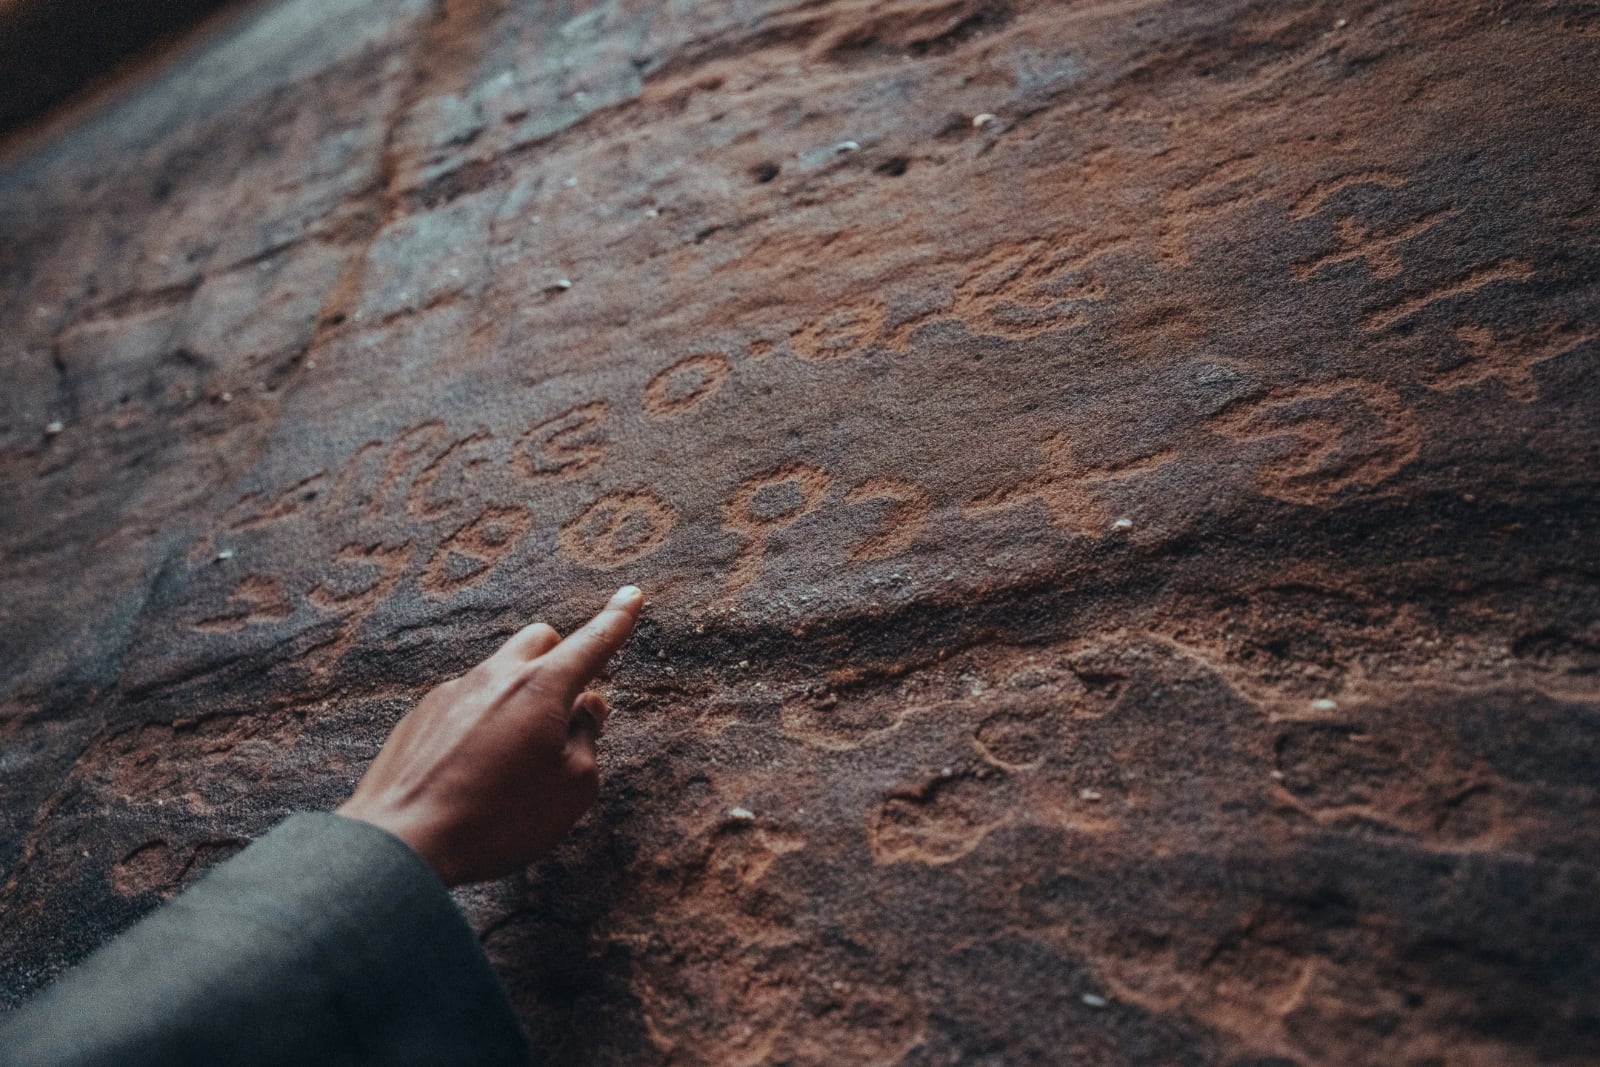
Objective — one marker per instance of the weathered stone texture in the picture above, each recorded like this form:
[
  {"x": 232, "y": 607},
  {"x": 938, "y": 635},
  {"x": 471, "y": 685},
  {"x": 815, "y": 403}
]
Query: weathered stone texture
[{"x": 1116, "y": 484}]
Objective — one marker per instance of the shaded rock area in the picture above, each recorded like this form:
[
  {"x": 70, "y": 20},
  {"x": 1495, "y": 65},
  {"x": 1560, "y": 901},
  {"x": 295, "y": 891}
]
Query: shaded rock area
[{"x": 1116, "y": 484}]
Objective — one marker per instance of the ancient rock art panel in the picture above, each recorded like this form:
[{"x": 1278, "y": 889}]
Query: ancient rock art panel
[
  {"x": 618, "y": 528},
  {"x": 197, "y": 766},
  {"x": 564, "y": 446},
  {"x": 764, "y": 504},
  {"x": 1507, "y": 270},
  {"x": 469, "y": 555},
  {"x": 840, "y": 334},
  {"x": 411, "y": 446},
  {"x": 1021, "y": 290},
  {"x": 1062, "y": 486},
  {"x": 1226, "y": 188},
  {"x": 1327, "y": 438},
  {"x": 454, "y": 466},
  {"x": 258, "y": 599},
  {"x": 370, "y": 573},
  {"x": 364, "y": 576},
  {"x": 157, "y": 867},
  {"x": 686, "y": 384},
  {"x": 254, "y": 511},
  {"x": 1381, "y": 252},
  {"x": 839, "y": 719},
  {"x": 1509, "y": 360},
  {"x": 909, "y": 507},
  {"x": 936, "y": 823},
  {"x": 1313, "y": 202},
  {"x": 1012, "y": 739}
]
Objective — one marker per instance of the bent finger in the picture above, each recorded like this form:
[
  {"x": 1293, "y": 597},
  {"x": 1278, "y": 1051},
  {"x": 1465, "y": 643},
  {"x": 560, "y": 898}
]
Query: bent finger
[
  {"x": 579, "y": 659},
  {"x": 528, "y": 643},
  {"x": 594, "y": 706}
]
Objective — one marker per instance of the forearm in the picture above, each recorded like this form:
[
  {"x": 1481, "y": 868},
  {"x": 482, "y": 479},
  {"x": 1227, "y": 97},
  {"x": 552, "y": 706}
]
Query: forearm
[{"x": 327, "y": 941}]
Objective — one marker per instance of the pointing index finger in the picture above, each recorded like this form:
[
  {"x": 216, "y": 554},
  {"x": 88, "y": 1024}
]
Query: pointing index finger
[{"x": 577, "y": 660}]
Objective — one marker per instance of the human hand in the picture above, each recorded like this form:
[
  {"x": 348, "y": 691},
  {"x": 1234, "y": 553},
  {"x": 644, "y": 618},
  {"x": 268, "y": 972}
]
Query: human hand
[{"x": 492, "y": 768}]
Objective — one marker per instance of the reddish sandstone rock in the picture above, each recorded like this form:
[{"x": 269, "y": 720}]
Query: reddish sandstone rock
[{"x": 1115, "y": 483}]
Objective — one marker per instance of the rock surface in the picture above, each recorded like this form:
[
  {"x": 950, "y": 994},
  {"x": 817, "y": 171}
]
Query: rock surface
[{"x": 1116, "y": 484}]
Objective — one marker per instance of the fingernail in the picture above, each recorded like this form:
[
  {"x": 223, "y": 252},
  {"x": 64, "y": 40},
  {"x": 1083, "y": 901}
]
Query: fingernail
[{"x": 626, "y": 595}]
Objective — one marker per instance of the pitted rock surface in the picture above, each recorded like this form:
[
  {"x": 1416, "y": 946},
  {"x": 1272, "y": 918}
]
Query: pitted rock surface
[{"x": 1115, "y": 482}]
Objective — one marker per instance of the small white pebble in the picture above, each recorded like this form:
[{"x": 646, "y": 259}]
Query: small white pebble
[
  {"x": 661, "y": 653},
  {"x": 980, "y": 121},
  {"x": 570, "y": 182},
  {"x": 311, "y": 364},
  {"x": 54, "y": 428},
  {"x": 225, "y": 554},
  {"x": 1122, "y": 524},
  {"x": 945, "y": 772},
  {"x": 700, "y": 628},
  {"x": 1277, "y": 776},
  {"x": 1324, "y": 705},
  {"x": 1088, "y": 794},
  {"x": 1341, "y": 24},
  {"x": 652, "y": 213},
  {"x": 560, "y": 284},
  {"x": 85, "y": 853},
  {"x": 226, "y": 398},
  {"x": 1094, "y": 1001},
  {"x": 847, "y": 146},
  {"x": 742, "y": 814},
  {"x": 744, "y": 664}
]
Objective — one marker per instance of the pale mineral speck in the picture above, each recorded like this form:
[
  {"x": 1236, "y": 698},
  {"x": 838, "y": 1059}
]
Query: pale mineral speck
[
  {"x": 1088, "y": 794},
  {"x": 847, "y": 146},
  {"x": 1095, "y": 1001},
  {"x": 1324, "y": 704},
  {"x": 742, "y": 814},
  {"x": 1122, "y": 524},
  {"x": 225, "y": 554},
  {"x": 51, "y": 429},
  {"x": 980, "y": 121}
]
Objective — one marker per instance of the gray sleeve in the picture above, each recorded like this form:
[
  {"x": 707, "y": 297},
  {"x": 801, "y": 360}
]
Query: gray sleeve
[{"x": 328, "y": 941}]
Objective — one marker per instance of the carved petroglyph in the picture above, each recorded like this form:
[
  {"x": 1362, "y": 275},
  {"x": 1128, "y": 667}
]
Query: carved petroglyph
[
  {"x": 564, "y": 446},
  {"x": 370, "y": 572},
  {"x": 840, "y": 334},
  {"x": 1062, "y": 486},
  {"x": 686, "y": 384},
  {"x": 934, "y": 824},
  {"x": 467, "y": 556},
  {"x": 1512, "y": 270},
  {"x": 1379, "y": 251},
  {"x": 1019, "y": 291},
  {"x": 908, "y": 510},
  {"x": 1312, "y": 202},
  {"x": 764, "y": 504},
  {"x": 617, "y": 529},
  {"x": 456, "y": 464},
  {"x": 1012, "y": 739},
  {"x": 839, "y": 722},
  {"x": 156, "y": 867},
  {"x": 1510, "y": 360},
  {"x": 408, "y": 448},
  {"x": 1328, "y": 438},
  {"x": 350, "y": 479},
  {"x": 1229, "y": 186},
  {"x": 252, "y": 512},
  {"x": 257, "y": 600}
]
